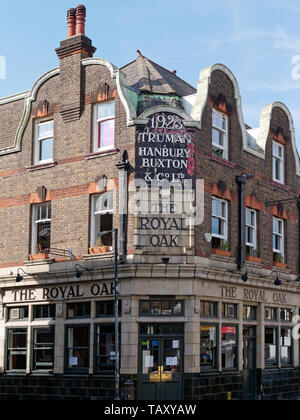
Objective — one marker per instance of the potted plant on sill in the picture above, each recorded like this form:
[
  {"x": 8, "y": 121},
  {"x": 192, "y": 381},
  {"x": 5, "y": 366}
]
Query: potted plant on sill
[
  {"x": 224, "y": 249},
  {"x": 40, "y": 254},
  {"x": 278, "y": 261},
  {"x": 253, "y": 255},
  {"x": 102, "y": 246}
]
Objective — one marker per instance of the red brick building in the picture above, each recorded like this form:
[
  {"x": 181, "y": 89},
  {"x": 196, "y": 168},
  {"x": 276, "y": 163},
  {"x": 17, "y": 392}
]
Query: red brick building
[{"x": 207, "y": 308}]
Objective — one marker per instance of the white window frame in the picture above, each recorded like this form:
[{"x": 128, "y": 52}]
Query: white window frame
[
  {"x": 38, "y": 140},
  {"x": 97, "y": 122},
  {"x": 37, "y": 219},
  {"x": 94, "y": 213},
  {"x": 225, "y": 132},
  {"x": 253, "y": 228},
  {"x": 280, "y": 235},
  {"x": 224, "y": 219},
  {"x": 280, "y": 160}
]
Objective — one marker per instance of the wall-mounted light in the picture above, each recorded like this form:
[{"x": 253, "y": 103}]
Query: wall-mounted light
[
  {"x": 277, "y": 280},
  {"x": 80, "y": 270},
  {"x": 244, "y": 276},
  {"x": 19, "y": 278}
]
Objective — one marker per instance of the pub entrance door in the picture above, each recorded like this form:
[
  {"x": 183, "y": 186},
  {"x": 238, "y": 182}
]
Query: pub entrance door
[
  {"x": 161, "y": 355},
  {"x": 249, "y": 363}
]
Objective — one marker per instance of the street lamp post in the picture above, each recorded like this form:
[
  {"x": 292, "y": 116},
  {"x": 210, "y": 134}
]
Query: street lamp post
[{"x": 116, "y": 286}]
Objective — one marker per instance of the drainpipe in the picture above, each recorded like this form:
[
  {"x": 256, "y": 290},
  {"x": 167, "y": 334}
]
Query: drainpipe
[
  {"x": 123, "y": 167},
  {"x": 241, "y": 181}
]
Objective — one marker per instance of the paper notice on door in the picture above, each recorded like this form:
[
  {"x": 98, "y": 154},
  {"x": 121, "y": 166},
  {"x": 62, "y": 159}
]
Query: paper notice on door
[
  {"x": 175, "y": 344},
  {"x": 171, "y": 361},
  {"x": 149, "y": 362},
  {"x": 73, "y": 361}
]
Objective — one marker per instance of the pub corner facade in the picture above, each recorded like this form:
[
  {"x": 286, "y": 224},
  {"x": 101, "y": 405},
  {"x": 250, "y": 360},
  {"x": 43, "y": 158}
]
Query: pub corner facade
[{"x": 209, "y": 285}]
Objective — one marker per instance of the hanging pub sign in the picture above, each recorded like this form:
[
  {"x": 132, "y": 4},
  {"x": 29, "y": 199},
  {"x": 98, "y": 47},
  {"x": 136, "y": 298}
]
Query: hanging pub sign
[{"x": 165, "y": 149}]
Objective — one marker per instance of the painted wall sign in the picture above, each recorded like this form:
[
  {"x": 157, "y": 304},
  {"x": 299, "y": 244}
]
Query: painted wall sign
[
  {"x": 165, "y": 149},
  {"x": 253, "y": 295},
  {"x": 59, "y": 293}
]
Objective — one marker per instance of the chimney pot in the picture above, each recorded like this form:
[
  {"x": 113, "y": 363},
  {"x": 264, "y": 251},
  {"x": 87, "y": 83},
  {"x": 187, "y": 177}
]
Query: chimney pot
[
  {"x": 80, "y": 19},
  {"x": 71, "y": 17}
]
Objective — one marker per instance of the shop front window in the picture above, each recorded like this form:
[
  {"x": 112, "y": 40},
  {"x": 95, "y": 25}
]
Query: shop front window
[
  {"x": 286, "y": 315},
  {"x": 250, "y": 313},
  {"x": 106, "y": 309},
  {"x": 18, "y": 314},
  {"x": 271, "y": 314},
  {"x": 208, "y": 309},
  {"x": 271, "y": 347},
  {"x": 229, "y": 347},
  {"x": 208, "y": 347},
  {"x": 286, "y": 346},
  {"x": 162, "y": 307},
  {"x": 44, "y": 312},
  {"x": 16, "y": 349},
  {"x": 78, "y": 348},
  {"x": 229, "y": 310},
  {"x": 79, "y": 310},
  {"x": 105, "y": 348},
  {"x": 43, "y": 349}
]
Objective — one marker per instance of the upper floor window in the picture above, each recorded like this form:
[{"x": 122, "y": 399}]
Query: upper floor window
[
  {"x": 251, "y": 232},
  {"x": 43, "y": 148},
  {"x": 102, "y": 219},
  {"x": 219, "y": 222},
  {"x": 219, "y": 135},
  {"x": 104, "y": 126},
  {"x": 278, "y": 162},
  {"x": 41, "y": 228},
  {"x": 278, "y": 239}
]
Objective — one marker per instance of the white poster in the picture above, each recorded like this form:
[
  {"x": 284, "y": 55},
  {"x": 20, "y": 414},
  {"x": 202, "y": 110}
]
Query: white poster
[
  {"x": 175, "y": 344},
  {"x": 73, "y": 361},
  {"x": 149, "y": 362},
  {"x": 172, "y": 361}
]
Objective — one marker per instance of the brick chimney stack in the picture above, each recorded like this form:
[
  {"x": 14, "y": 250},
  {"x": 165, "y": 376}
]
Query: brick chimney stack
[
  {"x": 76, "y": 41},
  {"x": 71, "y": 17},
  {"x": 76, "y": 47}
]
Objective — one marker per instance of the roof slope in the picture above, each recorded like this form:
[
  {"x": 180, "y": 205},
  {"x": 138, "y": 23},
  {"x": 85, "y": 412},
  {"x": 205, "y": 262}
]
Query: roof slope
[{"x": 146, "y": 76}]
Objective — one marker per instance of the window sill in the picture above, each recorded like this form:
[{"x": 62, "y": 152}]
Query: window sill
[
  {"x": 281, "y": 185},
  {"x": 103, "y": 153},
  {"x": 39, "y": 257},
  {"x": 223, "y": 161},
  {"x": 41, "y": 166},
  {"x": 98, "y": 256}
]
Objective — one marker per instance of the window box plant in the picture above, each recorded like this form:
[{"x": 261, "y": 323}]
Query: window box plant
[
  {"x": 224, "y": 249},
  {"x": 278, "y": 261},
  {"x": 102, "y": 246},
  {"x": 253, "y": 255}
]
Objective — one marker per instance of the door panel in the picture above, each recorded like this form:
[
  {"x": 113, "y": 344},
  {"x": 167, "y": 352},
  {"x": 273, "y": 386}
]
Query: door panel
[
  {"x": 249, "y": 365},
  {"x": 160, "y": 368}
]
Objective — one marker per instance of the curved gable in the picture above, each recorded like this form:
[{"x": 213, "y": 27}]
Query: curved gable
[
  {"x": 203, "y": 91},
  {"x": 262, "y": 133}
]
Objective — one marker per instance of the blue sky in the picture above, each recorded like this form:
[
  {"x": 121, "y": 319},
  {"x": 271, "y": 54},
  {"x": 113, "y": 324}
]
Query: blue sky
[{"x": 257, "y": 40}]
